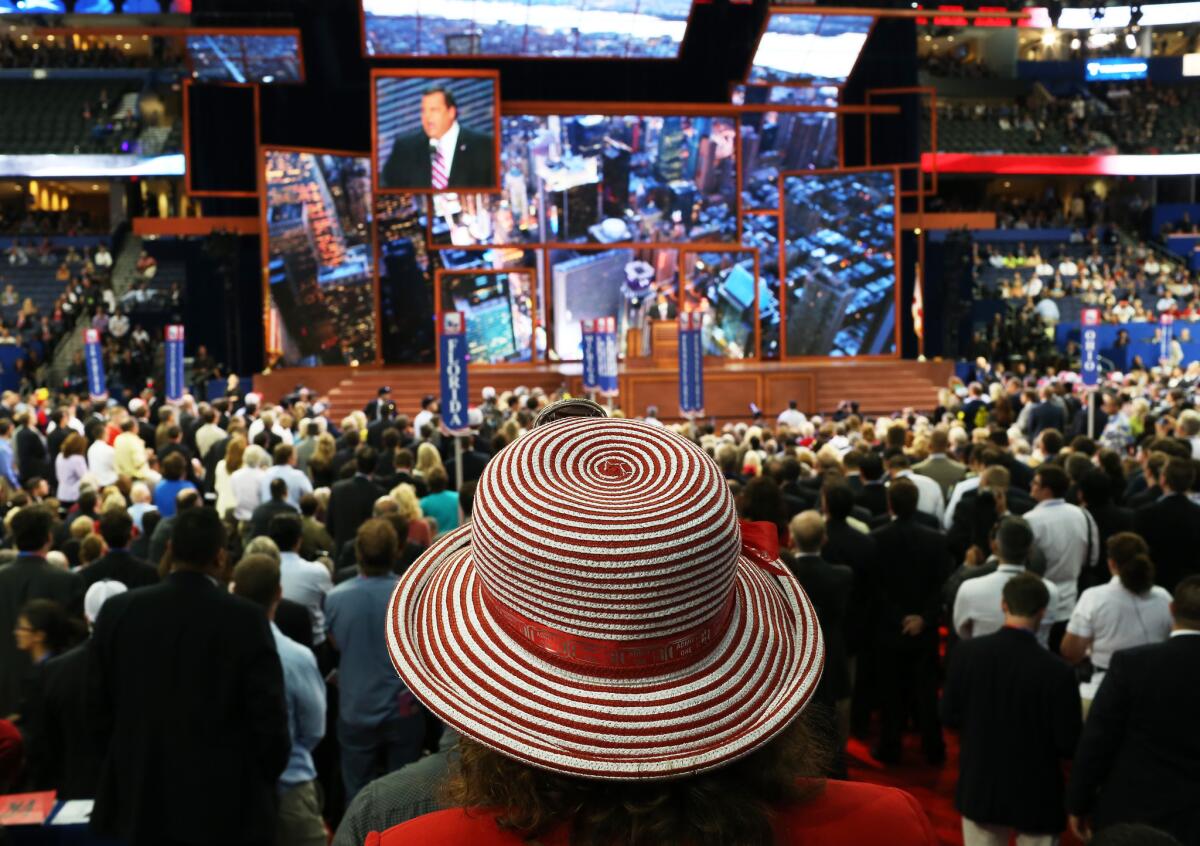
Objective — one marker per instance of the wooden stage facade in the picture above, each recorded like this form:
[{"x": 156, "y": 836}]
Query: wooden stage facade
[{"x": 880, "y": 386}]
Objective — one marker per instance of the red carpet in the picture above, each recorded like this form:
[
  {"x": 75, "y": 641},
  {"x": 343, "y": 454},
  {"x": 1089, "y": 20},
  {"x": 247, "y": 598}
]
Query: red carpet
[{"x": 933, "y": 787}]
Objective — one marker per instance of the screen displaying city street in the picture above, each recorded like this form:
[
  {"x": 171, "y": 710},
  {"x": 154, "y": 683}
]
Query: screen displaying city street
[
  {"x": 840, "y": 263},
  {"x": 320, "y": 263},
  {"x": 547, "y": 29},
  {"x": 602, "y": 179}
]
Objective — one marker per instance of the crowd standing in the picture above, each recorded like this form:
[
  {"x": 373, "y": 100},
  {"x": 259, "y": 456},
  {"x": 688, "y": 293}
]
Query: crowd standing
[{"x": 1042, "y": 578}]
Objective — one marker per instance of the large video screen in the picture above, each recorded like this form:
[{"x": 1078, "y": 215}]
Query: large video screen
[
  {"x": 774, "y": 142},
  {"x": 635, "y": 286},
  {"x": 236, "y": 57},
  {"x": 724, "y": 287},
  {"x": 602, "y": 179},
  {"x": 797, "y": 47},
  {"x": 407, "y": 328},
  {"x": 618, "y": 29},
  {"x": 499, "y": 312},
  {"x": 761, "y": 231},
  {"x": 840, "y": 263},
  {"x": 319, "y": 256}
]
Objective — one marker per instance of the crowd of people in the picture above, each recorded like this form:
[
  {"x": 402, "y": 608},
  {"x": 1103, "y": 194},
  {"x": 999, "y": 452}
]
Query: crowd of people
[
  {"x": 1056, "y": 569},
  {"x": 54, "y": 52}
]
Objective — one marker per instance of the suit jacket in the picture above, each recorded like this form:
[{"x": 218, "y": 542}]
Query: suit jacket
[
  {"x": 829, "y": 586},
  {"x": 944, "y": 470},
  {"x": 28, "y": 577},
  {"x": 920, "y": 518},
  {"x": 186, "y": 672},
  {"x": 410, "y": 164},
  {"x": 351, "y": 503},
  {"x": 260, "y": 518},
  {"x": 873, "y": 498},
  {"x": 1016, "y": 707},
  {"x": 295, "y": 621},
  {"x": 1144, "y": 497},
  {"x": 911, "y": 564},
  {"x": 122, "y": 566},
  {"x": 1171, "y": 527},
  {"x": 965, "y": 531},
  {"x": 62, "y": 751},
  {"x": 473, "y": 464},
  {"x": 1139, "y": 757},
  {"x": 845, "y": 544},
  {"x": 32, "y": 458},
  {"x": 1046, "y": 415},
  {"x": 1020, "y": 475},
  {"x": 211, "y": 459}
]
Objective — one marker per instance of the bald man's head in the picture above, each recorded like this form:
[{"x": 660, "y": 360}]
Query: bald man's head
[{"x": 808, "y": 531}]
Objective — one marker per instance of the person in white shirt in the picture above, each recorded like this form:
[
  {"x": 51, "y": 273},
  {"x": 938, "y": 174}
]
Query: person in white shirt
[
  {"x": 977, "y": 610},
  {"x": 424, "y": 417},
  {"x": 652, "y": 416},
  {"x": 1128, "y": 611},
  {"x": 1067, "y": 267},
  {"x": 792, "y": 418},
  {"x": 1189, "y": 427},
  {"x": 929, "y": 493},
  {"x": 101, "y": 456},
  {"x": 103, "y": 258},
  {"x": 1066, "y": 535},
  {"x": 246, "y": 482},
  {"x": 285, "y": 468},
  {"x": 1124, "y": 311},
  {"x": 305, "y": 582}
]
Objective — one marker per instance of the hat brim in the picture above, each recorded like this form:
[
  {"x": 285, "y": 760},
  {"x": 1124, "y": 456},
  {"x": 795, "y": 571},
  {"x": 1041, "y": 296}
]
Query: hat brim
[{"x": 456, "y": 659}]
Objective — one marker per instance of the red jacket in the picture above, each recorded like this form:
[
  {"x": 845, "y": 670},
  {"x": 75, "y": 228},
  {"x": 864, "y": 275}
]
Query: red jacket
[{"x": 846, "y": 812}]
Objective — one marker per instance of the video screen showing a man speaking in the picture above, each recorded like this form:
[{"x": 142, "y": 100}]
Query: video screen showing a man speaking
[{"x": 436, "y": 133}]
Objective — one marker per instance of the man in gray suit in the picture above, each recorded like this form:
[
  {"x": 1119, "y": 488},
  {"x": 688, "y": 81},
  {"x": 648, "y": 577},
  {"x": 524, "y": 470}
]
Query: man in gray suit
[{"x": 940, "y": 467}]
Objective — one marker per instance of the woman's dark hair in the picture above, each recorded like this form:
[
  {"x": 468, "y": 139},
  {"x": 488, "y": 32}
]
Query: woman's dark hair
[
  {"x": 1132, "y": 557},
  {"x": 48, "y": 617},
  {"x": 732, "y": 804},
  {"x": 763, "y": 500}
]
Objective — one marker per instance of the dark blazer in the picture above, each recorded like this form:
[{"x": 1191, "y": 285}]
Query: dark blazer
[
  {"x": 911, "y": 564},
  {"x": 1139, "y": 757},
  {"x": 295, "y": 621},
  {"x": 1171, "y": 527},
  {"x": 1144, "y": 497},
  {"x": 473, "y": 463},
  {"x": 211, "y": 459},
  {"x": 186, "y": 672},
  {"x": 829, "y": 586},
  {"x": 873, "y": 498},
  {"x": 351, "y": 503},
  {"x": 62, "y": 751},
  {"x": 1016, "y": 707},
  {"x": 260, "y": 517},
  {"x": 921, "y": 518},
  {"x": 28, "y": 577},
  {"x": 845, "y": 544},
  {"x": 410, "y": 164},
  {"x": 1046, "y": 415},
  {"x": 32, "y": 458},
  {"x": 121, "y": 565}
]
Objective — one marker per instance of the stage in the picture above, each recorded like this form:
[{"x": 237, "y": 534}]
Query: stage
[{"x": 880, "y": 386}]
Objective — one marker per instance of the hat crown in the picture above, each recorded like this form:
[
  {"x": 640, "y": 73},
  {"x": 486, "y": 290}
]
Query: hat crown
[{"x": 609, "y": 531}]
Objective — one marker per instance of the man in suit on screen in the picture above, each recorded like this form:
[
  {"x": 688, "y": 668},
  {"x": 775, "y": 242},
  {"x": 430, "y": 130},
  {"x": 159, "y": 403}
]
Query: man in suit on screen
[{"x": 444, "y": 154}]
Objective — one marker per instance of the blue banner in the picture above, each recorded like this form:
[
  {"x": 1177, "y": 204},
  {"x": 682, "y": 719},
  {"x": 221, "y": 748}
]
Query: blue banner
[
  {"x": 1090, "y": 369},
  {"x": 591, "y": 376},
  {"x": 174, "y": 361},
  {"x": 606, "y": 354},
  {"x": 1166, "y": 333},
  {"x": 453, "y": 365},
  {"x": 93, "y": 356},
  {"x": 691, "y": 363}
]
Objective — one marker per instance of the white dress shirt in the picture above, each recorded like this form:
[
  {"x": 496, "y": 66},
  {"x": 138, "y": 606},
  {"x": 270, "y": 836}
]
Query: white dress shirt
[
  {"x": 929, "y": 493},
  {"x": 793, "y": 418},
  {"x": 1067, "y": 536},
  {"x": 956, "y": 495},
  {"x": 447, "y": 144},
  {"x": 1113, "y": 618},
  {"x": 977, "y": 609},
  {"x": 247, "y": 491},
  {"x": 307, "y": 583},
  {"x": 100, "y": 457},
  {"x": 298, "y": 484}
]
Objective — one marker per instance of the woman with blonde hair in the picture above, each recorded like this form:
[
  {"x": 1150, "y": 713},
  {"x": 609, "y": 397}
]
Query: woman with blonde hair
[
  {"x": 320, "y": 465},
  {"x": 428, "y": 459},
  {"x": 226, "y": 467},
  {"x": 405, "y": 496}
]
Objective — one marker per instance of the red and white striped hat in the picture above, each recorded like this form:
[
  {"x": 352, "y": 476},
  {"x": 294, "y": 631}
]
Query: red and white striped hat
[{"x": 601, "y": 615}]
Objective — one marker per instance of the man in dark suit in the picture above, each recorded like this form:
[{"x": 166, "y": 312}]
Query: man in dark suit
[
  {"x": 873, "y": 494},
  {"x": 375, "y": 408},
  {"x": 160, "y": 539},
  {"x": 118, "y": 564},
  {"x": 1016, "y": 707},
  {"x": 444, "y": 154},
  {"x": 29, "y": 577},
  {"x": 1171, "y": 526},
  {"x": 829, "y": 587},
  {"x": 910, "y": 566},
  {"x": 30, "y": 447},
  {"x": 351, "y": 500},
  {"x": 197, "y": 745},
  {"x": 1047, "y": 414},
  {"x": 1139, "y": 757},
  {"x": 260, "y": 518},
  {"x": 473, "y": 462}
]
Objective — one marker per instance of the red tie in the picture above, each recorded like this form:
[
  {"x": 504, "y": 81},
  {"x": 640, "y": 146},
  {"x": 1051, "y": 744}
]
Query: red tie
[{"x": 440, "y": 177}]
